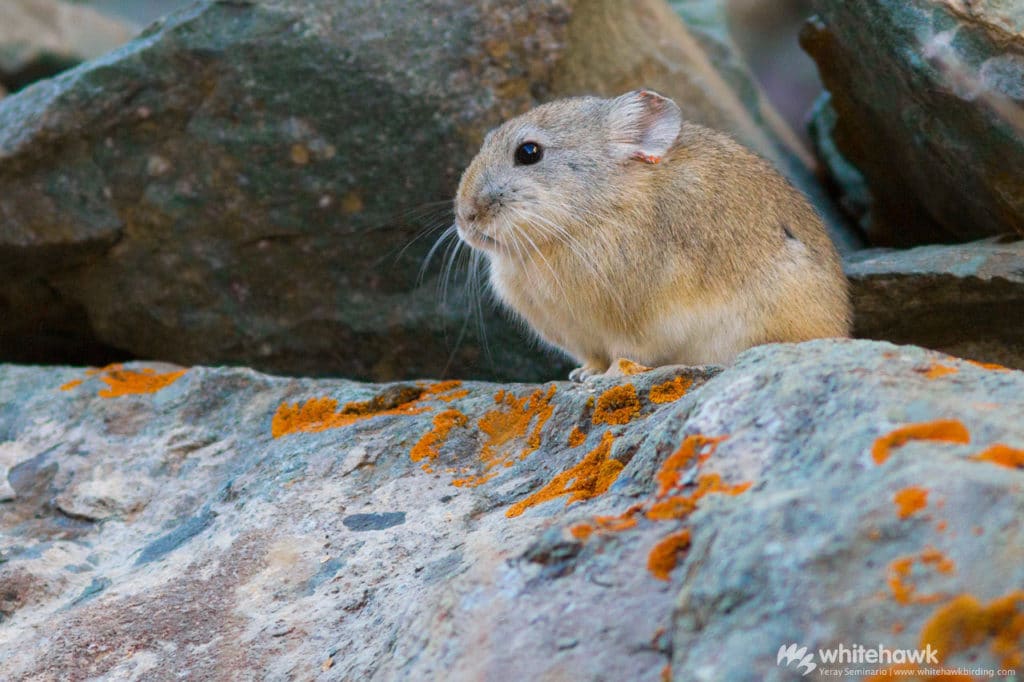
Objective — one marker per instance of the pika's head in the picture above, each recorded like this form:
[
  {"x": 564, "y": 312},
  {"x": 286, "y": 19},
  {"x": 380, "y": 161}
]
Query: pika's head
[{"x": 539, "y": 176}]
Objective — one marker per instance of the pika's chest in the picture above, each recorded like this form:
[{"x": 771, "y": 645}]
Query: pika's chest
[{"x": 561, "y": 307}]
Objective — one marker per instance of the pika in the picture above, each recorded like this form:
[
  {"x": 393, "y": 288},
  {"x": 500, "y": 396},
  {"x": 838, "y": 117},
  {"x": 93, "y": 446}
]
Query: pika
[{"x": 616, "y": 229}]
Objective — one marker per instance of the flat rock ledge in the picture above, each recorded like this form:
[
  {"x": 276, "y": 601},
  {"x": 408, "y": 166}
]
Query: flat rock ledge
[{"x": 210, "y": 523}]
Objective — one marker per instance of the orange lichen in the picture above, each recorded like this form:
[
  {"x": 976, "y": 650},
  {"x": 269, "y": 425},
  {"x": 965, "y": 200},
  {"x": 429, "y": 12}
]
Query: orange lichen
[
  {"x": 591, "y": 477},
  {"x": 666, "y": 554},
  {"x": 910, "y": 500},
  {"x": 473, "y": 481},
  {"x": 131, "y": 382},
  {"x": 320, "y": 414},
  {"x": 618, "y": 522},
  {"x": 122, "y": 381},
  {"x": 946, "y": 430},
  {"x": 965, "y": 623},
  {"x": 576, "y": 437},
  {"x": 629, "y": 368},
  {"x": 694, "y": 447},
  {"x": 670, "y": 390},
  {"x": 695, "y": 450},
  {"x": 443, "y": 390},
  {"x": 941, "y": 526},
  {"x": 617, "y": 405},
  {"x": 936, "y": 371},
  {"x": 505, "y": 427},
  {"x": 938, "y": 560},
  {"x": 988, "y": 365},
  {"x": 582, "y": 531},
  {"x": 608, "y": 524},
  {"x": 679, "y": 506},
  {"x": 1003, "y": 455},
  {"x": 454, "y": 395},
  {"x": 428, "y": 446},
  {"x": 903, "y": 589},
  {"x": 666, "y": 673},
  {"x": 675, "y": 507}
]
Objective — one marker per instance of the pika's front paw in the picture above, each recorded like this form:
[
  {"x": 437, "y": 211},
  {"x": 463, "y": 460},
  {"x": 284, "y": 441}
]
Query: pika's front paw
[{"x": 585, "y": 373}]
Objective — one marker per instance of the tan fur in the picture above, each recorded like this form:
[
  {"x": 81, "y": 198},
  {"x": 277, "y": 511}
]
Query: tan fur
[{"x": 607, "y": 254}]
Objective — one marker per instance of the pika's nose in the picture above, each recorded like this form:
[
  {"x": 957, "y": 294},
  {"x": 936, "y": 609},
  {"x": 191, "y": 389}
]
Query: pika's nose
[{"x": 470, "y": 210}]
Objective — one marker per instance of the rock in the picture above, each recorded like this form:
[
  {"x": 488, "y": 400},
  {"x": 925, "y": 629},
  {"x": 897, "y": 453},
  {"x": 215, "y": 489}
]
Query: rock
[
  {"x": 823, "y": 493},
  {"x": 964, "y": 299},
  {"x": 929, "y": 102},
  {"x": 844, "y": 179},
  {"x": 709, "y": 21},
  {"x": 140, "y": 12},
  {"x": 766, "y": 32},
  {"x": 40, "y": 38},
  {"x": 245, "y": 182}
]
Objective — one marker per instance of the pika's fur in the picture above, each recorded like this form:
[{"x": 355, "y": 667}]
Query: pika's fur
[{"x": 616, "y": 229}]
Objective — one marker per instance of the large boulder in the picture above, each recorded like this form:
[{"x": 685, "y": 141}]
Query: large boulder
[
  {"x": 141, "y": 12},
  {"x": 39, "y": 38},
  {"x": 160, "y": 524},
  {"x": 928, "y": 99},
  {"x": 246, "y": 181},
  {"x": 964, "y": 299}
]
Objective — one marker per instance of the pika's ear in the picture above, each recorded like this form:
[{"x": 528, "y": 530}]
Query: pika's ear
[{"x": 643, "y": 125}]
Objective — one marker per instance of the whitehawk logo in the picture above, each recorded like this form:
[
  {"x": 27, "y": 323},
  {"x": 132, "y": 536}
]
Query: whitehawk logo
[{"x": 795, "y": 652}]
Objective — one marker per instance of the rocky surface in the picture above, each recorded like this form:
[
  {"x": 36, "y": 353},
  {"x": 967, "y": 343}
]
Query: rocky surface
[
  {"x": 140, "y": 12},
  {"x": 239, "y": 185},
  {"x": 219, "y": 523},
  {"x": 929, "y": 106},
  {"x": 40, "y": 38},
  {"x": 966, "y": 299}
]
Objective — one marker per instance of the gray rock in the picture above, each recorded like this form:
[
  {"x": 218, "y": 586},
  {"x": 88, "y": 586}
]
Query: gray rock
[
  {"x": 140, "y": 12},
  {"x": 930, "y": 108},
  {"x": 40, "y": 38},
  {"x": 708, "y": 22},
  {"x": 965, "y": 300},
  {"x": 804, "y": 526},
  {"x": 245, "y": 182}
]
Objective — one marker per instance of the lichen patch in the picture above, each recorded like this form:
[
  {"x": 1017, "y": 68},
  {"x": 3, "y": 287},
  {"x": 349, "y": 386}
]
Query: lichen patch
[
  {"x": 617, "y": 405},
  {"x": 910, "y": 500},
  {"x": 670, "y": 391},
  {"x": 576, "y": 437},
  {"x": 694, "y": 450},
  {"x": 937, "y": 371},
  {"x": 427, "y": 448},
  {"x": 943, "y": 430},
  {"x": 514, "y": 421},
  {"x": 1003, "y": 455},
  {"x": 904, "y": 590},
  {"x": 665, "y": 555},
  {"x": 321, "y": 414},
  {"x": 121, "y": 381},
  {"x": 587, "y": 479}
]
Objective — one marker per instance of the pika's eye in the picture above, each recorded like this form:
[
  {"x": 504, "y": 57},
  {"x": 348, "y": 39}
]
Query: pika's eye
[{"x": 528, "y": 153}]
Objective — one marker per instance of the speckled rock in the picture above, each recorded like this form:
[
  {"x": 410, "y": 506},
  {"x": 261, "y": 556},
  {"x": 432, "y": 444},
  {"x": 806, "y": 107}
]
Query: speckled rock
[
  {"x": 141, "y": 12},
  {"x": 929, "y": 106},
  {"x": 39, "y": 38},
  {"x": 245, "y": 182},
  {"x": 686, "y": 522},
  {"x": 966, "y": 299}
]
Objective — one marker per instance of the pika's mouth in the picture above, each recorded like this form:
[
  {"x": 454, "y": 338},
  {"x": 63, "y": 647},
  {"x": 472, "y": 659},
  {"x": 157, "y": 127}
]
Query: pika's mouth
[{"x": 477, "y": 239}]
